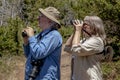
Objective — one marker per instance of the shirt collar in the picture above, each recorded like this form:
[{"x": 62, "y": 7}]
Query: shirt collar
[{"x": 43, "y": 33}]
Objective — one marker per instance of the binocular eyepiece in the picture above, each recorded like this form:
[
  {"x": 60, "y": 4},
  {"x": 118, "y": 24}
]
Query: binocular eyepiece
[{"x": 24, "y": 34}]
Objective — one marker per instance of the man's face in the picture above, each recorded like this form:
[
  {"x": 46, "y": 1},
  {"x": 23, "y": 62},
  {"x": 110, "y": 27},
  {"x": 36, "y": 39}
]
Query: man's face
[{"x": 43, "y": 20}]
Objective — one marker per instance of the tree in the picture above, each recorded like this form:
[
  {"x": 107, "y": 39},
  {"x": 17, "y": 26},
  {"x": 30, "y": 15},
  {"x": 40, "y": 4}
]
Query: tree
[{"x": 8, "y": 9}]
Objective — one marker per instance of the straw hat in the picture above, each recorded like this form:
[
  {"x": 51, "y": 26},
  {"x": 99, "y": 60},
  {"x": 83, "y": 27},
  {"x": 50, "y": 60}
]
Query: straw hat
[{"x": 51, "y": 13}]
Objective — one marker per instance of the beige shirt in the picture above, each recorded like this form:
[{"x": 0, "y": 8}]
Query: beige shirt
[{"x": 86, "y": 60}]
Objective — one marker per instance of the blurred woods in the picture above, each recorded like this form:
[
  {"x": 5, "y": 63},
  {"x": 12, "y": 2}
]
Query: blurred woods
[{"x": 16, "y": 14}]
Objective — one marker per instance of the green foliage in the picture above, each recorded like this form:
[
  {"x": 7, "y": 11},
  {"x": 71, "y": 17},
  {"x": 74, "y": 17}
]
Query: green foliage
[
  {"x": 30, "y": 10},
  {"x": 66, "y": 32},
  {"x": 10, "y": 37},
  {"x": 108, "y": 10},
  {"x": 111, "y": 70},
  {"x": 0, "y": 3}
]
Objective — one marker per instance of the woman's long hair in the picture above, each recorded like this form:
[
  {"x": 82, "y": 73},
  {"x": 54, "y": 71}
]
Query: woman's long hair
[{"x": 96, "y": 25}]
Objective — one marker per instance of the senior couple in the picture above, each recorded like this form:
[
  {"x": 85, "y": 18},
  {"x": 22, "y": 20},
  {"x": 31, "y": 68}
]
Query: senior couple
[{"x": 43, "y": 51}]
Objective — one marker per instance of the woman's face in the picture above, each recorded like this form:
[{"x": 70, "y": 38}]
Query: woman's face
[{"x": 86, "y": 29}]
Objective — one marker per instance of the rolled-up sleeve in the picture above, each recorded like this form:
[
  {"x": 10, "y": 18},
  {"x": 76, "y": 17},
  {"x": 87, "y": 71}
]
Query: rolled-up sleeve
[
  {"x": 67, "y": 49},
  {"x": 89, "y": 47}
]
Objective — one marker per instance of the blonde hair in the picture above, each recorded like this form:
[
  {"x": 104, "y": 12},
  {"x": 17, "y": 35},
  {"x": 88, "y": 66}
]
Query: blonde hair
[{"x": 96, "y": 25}]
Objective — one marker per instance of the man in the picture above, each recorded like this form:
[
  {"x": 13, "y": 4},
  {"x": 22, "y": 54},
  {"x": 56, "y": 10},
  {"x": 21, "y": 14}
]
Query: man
[{"x": 44, "y": 47}]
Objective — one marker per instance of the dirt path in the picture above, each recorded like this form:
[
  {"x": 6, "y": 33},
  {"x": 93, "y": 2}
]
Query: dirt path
[
  {"x": 18, "y": 65},
  {"x": 13, "y": 68},
  {"x": 65, "y": 66}
]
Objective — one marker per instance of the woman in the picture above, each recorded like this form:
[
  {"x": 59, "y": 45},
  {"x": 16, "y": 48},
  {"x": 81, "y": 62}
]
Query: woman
[{"x": 85, "y": 45}]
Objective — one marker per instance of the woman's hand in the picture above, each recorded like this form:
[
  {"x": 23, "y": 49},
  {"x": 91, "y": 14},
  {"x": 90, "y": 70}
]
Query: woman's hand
[
  {"x": 77, "y": 32},
  {"x": 77, "y": 25}
]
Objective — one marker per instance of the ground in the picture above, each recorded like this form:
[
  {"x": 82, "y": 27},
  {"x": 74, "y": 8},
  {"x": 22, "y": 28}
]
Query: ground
[
  {"x": 12, "y": 68},
  {"x": 17, "y": 68}
]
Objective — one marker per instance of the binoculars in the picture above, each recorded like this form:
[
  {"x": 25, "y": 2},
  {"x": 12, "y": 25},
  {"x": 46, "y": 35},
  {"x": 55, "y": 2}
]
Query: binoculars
[
  {"x": 36, "y": 69},
  {"x": 24, "y": 34}
]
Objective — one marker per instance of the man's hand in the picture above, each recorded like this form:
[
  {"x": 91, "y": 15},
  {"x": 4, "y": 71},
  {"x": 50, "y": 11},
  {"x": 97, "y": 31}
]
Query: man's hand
[
  {"x": 25, "y": 39},
  {"x": 29, "y": 31}
]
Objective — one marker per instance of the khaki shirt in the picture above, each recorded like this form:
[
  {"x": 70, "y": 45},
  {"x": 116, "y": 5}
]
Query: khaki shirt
[{"x": 86, "y": 61}]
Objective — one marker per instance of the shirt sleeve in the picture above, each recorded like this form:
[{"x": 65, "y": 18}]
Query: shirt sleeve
[
  {"x": 67, "y": 49},
  {"x": 26, "y": 50},
  {"x": 89, "y": 47},
  {"x": 43, "y": 48}
]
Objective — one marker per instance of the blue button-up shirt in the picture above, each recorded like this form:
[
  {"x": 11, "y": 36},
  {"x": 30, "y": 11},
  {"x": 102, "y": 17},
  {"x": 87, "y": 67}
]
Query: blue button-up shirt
[{"x": 47, "y": 48}]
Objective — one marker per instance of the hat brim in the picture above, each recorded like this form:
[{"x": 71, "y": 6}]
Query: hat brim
[{"x": 48, "y": 15}]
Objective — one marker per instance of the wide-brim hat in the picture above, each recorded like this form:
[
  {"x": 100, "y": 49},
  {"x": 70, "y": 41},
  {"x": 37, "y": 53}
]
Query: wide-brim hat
[{"x": 51, "y": 13}]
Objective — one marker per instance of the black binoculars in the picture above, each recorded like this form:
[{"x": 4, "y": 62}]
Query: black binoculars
[
  {"x": 36, "y": 69},
  {"x": 24, "y": 34}
]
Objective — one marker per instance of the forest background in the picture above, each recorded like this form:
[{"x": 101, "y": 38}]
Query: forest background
[{"x": 16, "y": 14}]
